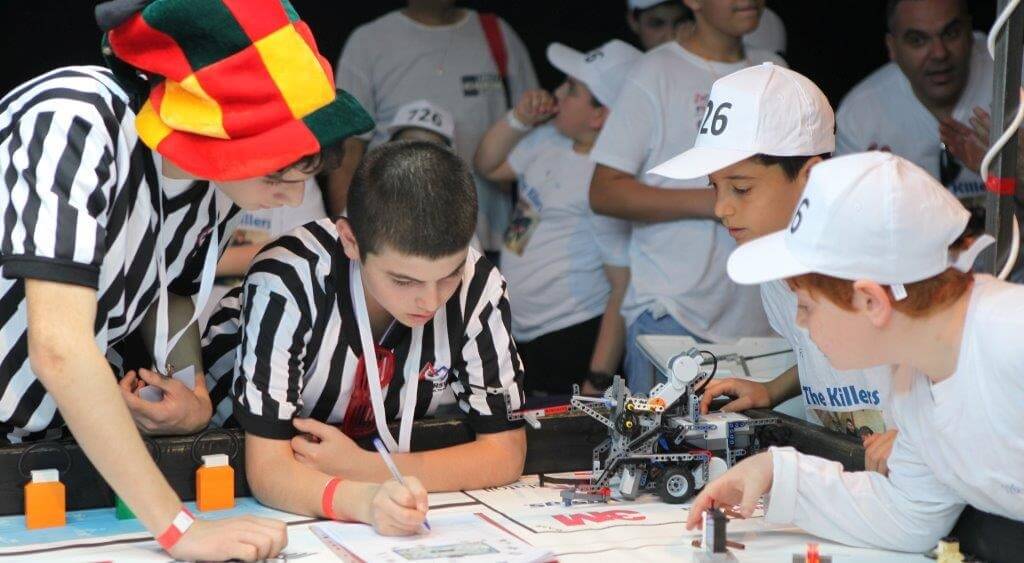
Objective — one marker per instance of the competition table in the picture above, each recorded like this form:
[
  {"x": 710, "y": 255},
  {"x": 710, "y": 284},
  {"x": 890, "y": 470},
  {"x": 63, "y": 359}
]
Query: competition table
[
  {"x": 640, "y": 531},
  {"x": 645, "y": 530}
]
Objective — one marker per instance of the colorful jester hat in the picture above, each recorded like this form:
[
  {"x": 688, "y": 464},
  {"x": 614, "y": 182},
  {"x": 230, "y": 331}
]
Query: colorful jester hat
[{"x": 238, "y": 89}]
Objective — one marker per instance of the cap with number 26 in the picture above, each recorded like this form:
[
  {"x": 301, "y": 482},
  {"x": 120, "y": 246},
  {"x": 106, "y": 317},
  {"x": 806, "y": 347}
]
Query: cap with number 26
[{"x": 764, "y": 109}]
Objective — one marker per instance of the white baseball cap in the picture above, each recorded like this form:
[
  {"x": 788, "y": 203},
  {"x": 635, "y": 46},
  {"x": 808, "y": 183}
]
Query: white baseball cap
[
  {"x": 763, "y": 109},
  {"x": 424, "y": 115},
  {"x": 602, "y": 70},
  {"x": 643, "y": 4},
  {"x": 870, "y": 215}
]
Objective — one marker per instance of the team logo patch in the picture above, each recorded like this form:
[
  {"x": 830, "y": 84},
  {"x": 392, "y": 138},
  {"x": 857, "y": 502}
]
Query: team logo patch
[
  {"x": 477, "y": 84},
  {"x": 438, "y": 376}
]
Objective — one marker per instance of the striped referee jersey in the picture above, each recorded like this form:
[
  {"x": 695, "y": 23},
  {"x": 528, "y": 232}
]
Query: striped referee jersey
[
  {"x": 286, "y": 344},
  {"x": 79, "y": 206}
]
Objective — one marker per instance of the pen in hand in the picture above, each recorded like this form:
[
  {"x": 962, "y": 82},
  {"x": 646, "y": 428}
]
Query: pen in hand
[{"x": 386, "y": 456}]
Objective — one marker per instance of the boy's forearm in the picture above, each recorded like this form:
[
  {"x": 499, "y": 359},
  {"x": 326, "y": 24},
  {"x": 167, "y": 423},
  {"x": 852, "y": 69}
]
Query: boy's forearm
[
  {"x": 495, "y": 459},
  {"x": 279, "y": 481},
  {"x": 610, "y": 342},
  {"x": 74, "y": 371},
  {"x": 111, "y": 442},
  {"x": 908, "y": 512},
  {"x": 495, "y": 147},
  {"x": 236, "y": 260},
  {"x": 784, "y": 387},
  {"x": 618, "y": 194},
  {"x": 611, "y": 336}
]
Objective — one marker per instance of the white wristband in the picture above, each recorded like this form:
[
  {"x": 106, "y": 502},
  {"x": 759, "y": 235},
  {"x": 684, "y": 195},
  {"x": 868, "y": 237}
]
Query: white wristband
[{"x": 514, "y": 122}]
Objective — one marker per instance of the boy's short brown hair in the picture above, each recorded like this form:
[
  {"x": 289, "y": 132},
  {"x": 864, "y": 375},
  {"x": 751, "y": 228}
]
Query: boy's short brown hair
[
  {"x": 790, "y": 165},
  {"x": 415, "y": 197}
]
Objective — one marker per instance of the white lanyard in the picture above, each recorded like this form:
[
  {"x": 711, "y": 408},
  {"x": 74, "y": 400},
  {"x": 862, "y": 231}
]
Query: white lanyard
[
  {"x": 411, "y": 372},
  {"x": 441, "y": 358},
  {"x": 161, "y": 344}
]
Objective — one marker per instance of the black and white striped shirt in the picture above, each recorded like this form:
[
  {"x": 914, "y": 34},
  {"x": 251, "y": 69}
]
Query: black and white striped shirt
[
  {"x": 80, "y": 206},
  {"x": 287, "y": 344}
]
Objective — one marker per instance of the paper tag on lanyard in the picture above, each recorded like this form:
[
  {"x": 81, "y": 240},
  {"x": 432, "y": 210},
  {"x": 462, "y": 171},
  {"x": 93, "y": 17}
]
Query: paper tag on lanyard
[
  {"x": 373, "y": 372},
  {"x": 162, "y": 345}
]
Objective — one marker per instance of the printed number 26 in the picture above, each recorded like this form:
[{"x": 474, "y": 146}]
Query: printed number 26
[{"x": 718, "y": 122}]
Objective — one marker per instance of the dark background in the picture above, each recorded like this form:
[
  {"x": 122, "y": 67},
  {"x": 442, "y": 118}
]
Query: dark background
[{"x": 834, "y": 42}]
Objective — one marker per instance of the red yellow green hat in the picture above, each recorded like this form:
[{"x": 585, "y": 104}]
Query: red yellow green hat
[{"x": 238, "y": 88}]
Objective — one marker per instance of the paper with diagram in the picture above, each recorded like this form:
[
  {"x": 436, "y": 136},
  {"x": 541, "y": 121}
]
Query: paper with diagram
[{"x": 470, "y": 538}]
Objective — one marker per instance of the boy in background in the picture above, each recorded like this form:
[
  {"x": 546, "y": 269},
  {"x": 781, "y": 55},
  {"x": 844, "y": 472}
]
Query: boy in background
[
  {"x": 781, "y": 126},
  {"x": 655, "y": 21},
  {"x": 677, "y": 250},
  {"x": 565, "y": 266}
]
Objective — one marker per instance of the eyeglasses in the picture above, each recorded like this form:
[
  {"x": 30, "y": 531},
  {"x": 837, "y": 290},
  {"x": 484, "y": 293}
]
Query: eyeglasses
[{"x": 949, "y": 166}]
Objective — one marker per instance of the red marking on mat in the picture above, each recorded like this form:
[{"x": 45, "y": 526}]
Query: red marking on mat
[{"x": 598, "y": 517}]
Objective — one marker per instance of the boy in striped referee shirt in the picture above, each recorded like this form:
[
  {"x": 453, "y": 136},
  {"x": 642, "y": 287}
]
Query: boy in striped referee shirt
[
  {"x": 397, "y": 276},
  {"x": 118, "y": 189}
]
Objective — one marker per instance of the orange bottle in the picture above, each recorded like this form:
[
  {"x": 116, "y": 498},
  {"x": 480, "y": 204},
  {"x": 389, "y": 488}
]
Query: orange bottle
[
  {"x": 44, "y": 500},
  {"x": 215, "y": 484}
]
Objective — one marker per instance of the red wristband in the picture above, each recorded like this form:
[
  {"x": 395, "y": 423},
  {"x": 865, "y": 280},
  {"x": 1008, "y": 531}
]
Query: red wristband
[
  {"x": 327, "y": 501},
  {"x": 181, "y": 523}
]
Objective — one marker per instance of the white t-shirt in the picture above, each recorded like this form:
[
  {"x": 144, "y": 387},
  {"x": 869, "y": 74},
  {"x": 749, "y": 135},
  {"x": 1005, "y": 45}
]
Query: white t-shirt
[
  {"x": 959, "y": 443},
  {"x": 843, "y": 401},
  {"x": 770, "y": 34},
  {"x": 883, "y": 110},
  {"x": 395, "y": 60},
  {"x": 260, "y": 227},
  {"x": 558, "y": 279},
  {"x": 677, "y": 267},
  {"x": 613, "y": 236}
]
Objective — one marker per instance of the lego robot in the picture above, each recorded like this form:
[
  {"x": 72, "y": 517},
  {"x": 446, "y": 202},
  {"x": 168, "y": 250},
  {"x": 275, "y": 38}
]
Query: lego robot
[{"x": 661, "y": 443}]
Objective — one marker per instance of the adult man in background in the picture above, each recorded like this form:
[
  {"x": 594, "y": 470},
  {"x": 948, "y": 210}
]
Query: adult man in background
[{"x": 939, "y": 69}]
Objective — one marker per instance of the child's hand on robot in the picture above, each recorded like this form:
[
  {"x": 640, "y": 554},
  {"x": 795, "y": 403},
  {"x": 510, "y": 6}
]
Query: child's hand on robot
[{"x": 745, "y": 395}]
